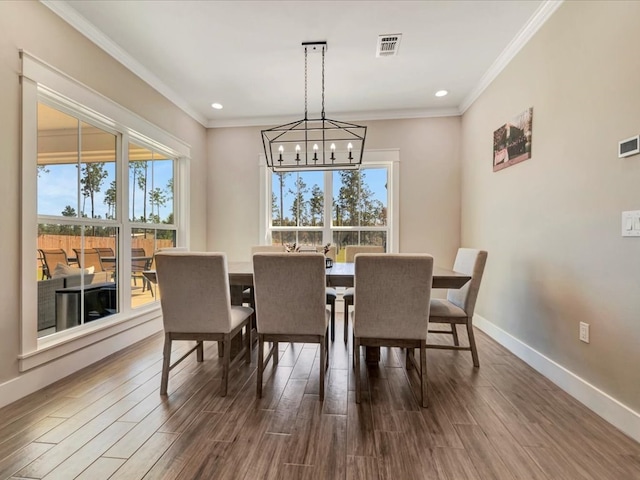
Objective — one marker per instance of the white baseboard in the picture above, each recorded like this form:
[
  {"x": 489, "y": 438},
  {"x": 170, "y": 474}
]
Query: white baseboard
[
  {"x": 40, "y": 377},
  {"x": 614, "y": 412}
]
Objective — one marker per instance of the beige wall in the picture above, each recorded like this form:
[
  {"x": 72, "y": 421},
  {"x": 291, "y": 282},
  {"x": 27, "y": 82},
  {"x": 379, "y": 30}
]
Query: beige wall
[
  {"x": 429, "y": 185},
  {"x": 552, "y": 224},
  {"x": 30, "y": 26}
]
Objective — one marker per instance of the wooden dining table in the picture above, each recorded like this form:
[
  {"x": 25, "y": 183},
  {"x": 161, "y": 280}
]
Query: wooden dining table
[{"x": 339, "y": 275}]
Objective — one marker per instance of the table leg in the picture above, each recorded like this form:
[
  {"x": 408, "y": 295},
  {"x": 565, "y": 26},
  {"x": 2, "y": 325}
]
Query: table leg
[{"x": 372, "y": 355}]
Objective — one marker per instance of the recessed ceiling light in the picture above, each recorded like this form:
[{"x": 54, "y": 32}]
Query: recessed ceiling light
[
  {"x": 217, "y": 106},
  {"x": 441, "y": 93}
]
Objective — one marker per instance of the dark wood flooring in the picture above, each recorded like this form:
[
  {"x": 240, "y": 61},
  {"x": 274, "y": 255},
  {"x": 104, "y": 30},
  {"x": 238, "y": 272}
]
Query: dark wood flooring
[{"x": 502, "y": 421}]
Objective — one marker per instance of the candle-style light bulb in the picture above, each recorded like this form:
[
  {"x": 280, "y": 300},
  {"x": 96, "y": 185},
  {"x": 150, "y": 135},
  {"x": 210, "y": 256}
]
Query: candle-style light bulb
[
  {"x": 297, "y": 153},
  {"x": 349, "y": 148},
  {"x": 315, "y": 152},
  {"x": 333, "y": 151},
  {"x": 281, "y": 149}
]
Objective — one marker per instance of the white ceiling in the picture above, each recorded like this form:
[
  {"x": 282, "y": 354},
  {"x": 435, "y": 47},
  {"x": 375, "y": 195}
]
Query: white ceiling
[{"x": 247, "y": 55}]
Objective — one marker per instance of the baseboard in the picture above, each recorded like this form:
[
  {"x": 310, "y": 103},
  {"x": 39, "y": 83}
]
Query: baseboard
[
  {"x": 33, "y": 380},
  {"x": 614, "y": 412}
]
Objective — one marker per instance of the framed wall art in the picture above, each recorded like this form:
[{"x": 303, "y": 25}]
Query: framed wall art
[{"x": 512, "y": 141}]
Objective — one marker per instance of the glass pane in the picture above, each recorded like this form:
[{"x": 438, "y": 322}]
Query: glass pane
[
  {"x": 151, "y": 189},
  {"x": 297, "y": 199},
  {"x": 309, "y": 238},
  {"x": 57, "y": 163},
  {"x": 144, "y": 243},
  {"x": 280, "y": 238},
  {"x": 360, "y": 197},
  {"x": 69, "y": 295},
  {"x": 97, "y": 173}
]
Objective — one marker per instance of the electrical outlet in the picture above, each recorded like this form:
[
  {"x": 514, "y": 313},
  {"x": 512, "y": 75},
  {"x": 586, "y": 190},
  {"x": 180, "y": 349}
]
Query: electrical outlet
[{"x": 584, "y": 332}]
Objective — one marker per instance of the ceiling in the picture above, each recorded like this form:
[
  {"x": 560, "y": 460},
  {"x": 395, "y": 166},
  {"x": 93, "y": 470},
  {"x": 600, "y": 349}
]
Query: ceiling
[{"x": 247, "y": 55}]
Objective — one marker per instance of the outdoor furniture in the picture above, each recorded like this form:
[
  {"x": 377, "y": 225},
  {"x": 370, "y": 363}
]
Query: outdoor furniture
[
  {"x": 139, "y": 263},
  {"x": 88, "y": 258},
  {"x": 290, "y": 305},
  {"x": 392, "y": 293},
  {"x": 196, "y": 306},
  {"x": 460, "y": 304},
  {"x": 107, "y": 257},
  {"x": 50, "y": 258},
  {"x": 347, "y": 297}
]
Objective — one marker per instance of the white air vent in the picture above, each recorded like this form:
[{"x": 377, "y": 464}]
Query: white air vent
[{"x": 388, "y": 45}]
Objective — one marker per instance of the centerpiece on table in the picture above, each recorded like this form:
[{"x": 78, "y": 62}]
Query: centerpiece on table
[{"x": 327, "y": 260}]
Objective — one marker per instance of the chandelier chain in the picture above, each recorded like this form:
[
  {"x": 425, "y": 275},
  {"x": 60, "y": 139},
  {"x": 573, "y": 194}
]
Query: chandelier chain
[
  {"x": 306, "y": 116},
  {"x": 323, "y": 48}
]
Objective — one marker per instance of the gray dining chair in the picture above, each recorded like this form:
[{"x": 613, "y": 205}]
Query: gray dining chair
[
  {"x": 460, "y": 304},
  {"x": 196, "y": 306},
  {"x": 350, "y": 252},
  {"x": 290, "y": 305},
  {"x": 392, "y": 299}
]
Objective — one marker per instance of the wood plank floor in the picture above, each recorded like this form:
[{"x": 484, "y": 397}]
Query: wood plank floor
[{"x": 502, "y": 421}]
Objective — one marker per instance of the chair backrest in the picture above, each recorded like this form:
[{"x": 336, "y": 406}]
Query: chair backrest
[
  {"x": 290, "y": 293},
  {"x": 139, "y": 264},
  {"x": 105, "y": 251},
  {"x": 89, "y": 258},
  {"x": 267, "y": 248},
  {"x": 471, "y": 262},
  {"x": 195, "y": 292},
  {"x": 392, "y": 295},
  {"x": 51, "y": 258},
  {"x": 351, "y": 251}
]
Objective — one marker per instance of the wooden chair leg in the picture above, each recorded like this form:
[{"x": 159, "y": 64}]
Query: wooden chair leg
[
  {"x": 323, "y": 354},
  {"x": 423, "y": 373},
  {"x": 346, "y": 319},
  {"x": 454, "y": 332},
  {"x": 472, "y": 344},
  {"x": 200, "y": 352},
  {"x": 326, "y": 343},
  {"x": 220, "y": 349},
  {"x": 276, "y": 354},
  {"x": 226, "y": 361},
  {"x": 408, "y": 359},
  {"x": 166, "y": 362},
  {"x": 260, "y": 364},
  {"x": 356, "y": 352},
  {"x": 333, "y": 319}
]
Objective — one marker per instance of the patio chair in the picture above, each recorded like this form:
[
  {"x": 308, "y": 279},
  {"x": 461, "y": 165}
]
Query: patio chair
[
  {"x": 50, "y": 258},
  {"x": 89, "y": 258},
  {"x": 347, "y": 297},
  {"x": 392, "y": 294},
  {"x": 139, "y": 264},
  {"x": 196, "y": 306}
]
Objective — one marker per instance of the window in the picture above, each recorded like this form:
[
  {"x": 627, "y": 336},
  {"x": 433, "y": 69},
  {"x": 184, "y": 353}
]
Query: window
[
  {"x": 341, "y": 207},
  {"x": 101, "y": 194}
]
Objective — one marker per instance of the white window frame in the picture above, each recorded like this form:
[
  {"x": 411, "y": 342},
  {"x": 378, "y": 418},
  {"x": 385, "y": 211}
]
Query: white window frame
[
  {"x": 39, "y": 80},
  {"x": 389, "y": 159}
]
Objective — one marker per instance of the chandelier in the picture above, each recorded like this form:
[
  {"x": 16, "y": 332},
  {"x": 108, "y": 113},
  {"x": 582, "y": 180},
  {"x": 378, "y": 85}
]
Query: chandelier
[{"x": 314, "y": 143}]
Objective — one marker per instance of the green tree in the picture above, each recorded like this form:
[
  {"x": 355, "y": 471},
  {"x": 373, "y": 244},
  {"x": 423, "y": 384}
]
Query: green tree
[
  {"x": 299, "y": 205},
  {"x": 136, "y": 169},
  {"x": 93, "y": 175},
  {"x": 142, "y": 185},
  {"x": 110, "y": 200},
  {"x": 281, "y": 178},
  {"x": 316, "y": 206},
  {"x": 157, "y": 198}
]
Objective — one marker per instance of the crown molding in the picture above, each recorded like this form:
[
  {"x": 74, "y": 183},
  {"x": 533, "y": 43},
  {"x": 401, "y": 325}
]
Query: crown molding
[
  {"x": 346, "y": 116},
  {"x": 540, "y": 16},
  {"x": 80, "y": 23}
]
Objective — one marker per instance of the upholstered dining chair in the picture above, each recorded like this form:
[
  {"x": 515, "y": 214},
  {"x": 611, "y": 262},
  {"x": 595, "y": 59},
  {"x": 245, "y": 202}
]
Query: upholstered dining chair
[
  {"x": 392, "y": 299},
  {"x": 350, "y": 252},
  {"x": 290, "y": 305},
  {"x": 196, "y": 306},
  {"x": 460, "y": 304}
]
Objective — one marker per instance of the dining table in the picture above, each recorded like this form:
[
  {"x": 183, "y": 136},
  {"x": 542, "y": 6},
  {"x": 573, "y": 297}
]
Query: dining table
[{"x": 339, "y": 275}]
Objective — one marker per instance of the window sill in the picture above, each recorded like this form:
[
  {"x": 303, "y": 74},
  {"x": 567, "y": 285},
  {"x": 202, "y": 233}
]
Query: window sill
[{"x": 56, "y": 346}]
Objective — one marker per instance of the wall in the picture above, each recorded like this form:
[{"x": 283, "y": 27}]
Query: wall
[
  {"x": 31, "y": 26},
  {"x": 552, "y": 223},
  {"x": 429, "y": 185}
]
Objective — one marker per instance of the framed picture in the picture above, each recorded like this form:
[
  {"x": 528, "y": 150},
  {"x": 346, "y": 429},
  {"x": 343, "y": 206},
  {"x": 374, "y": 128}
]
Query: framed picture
[{"x": 512, "y": 141}]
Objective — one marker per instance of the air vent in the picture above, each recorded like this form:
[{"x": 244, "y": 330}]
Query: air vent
[{"x": 388, "y": 45}]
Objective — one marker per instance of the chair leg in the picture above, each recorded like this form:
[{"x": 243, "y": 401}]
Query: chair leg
[
  {"x": 260, "y": 364},
  {"x": 276, "y": 354},
  {"x": 472, "y": 344},
  {"x": 200, "y": 352},
  {"x": 423, "y": 373},
  {"x": 220, "y": 349},
  {"x": 323, "y": 356},
  {"x": 356, "y": 352},
  {"x": 226, "y": 361},
  {"x": 247, "y": 355},
  {"x": 346, "y": 319},
  {"x": 408, "y": 361},
  {"x": 333, "y": 319},
  {"x": 166, "y": 362},
  {"x": 454, "y": 332}
]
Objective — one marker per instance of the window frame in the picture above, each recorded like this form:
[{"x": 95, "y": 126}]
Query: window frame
[
  {"x": 43, "y": 83},
  {"x": 389, "y": 159}
]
